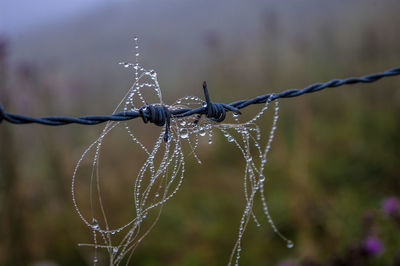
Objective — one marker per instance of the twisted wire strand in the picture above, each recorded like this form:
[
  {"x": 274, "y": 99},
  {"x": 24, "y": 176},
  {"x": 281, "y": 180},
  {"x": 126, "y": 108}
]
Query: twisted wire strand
[{"x": 212, "y": 110}]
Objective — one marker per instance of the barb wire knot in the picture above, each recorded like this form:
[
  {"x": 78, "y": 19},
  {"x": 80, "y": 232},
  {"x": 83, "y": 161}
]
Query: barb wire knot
[
  {"x": 158, "y": 115},
  {"x": 217, "y": 111}
]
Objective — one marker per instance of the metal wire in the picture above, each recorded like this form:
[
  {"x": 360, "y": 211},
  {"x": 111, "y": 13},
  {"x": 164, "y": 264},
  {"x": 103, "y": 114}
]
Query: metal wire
[{"x": 214, "y": 111}]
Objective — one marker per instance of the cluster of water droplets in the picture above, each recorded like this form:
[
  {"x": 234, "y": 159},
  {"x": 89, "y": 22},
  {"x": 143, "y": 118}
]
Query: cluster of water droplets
[{"x": 162, "y": 173}]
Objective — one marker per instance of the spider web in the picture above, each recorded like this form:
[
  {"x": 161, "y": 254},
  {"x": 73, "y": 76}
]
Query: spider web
[{"x": 162, "y": 173}]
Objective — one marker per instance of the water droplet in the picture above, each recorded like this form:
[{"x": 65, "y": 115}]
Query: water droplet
[
  {"x": 202, "y": 132},
  {"x": 137, "y": 54},
  {"x": 135, "y": 38},
  {"x": 204, "y": 104},
  {"x": 210, "y": 134},
  {"x": 289, "y": 244},
  {"x": 184, "y": 133},
  {"x": 230, "y": 139},
  {"x": 183, "y": 123},
  {"x": 235, "y": 114},
  {"x": 157, "y": 195},
  {"x": 95, "y": 260},
  {"x": 262, "y": 178},
  {"x": 263, "y": 161},
  {"x": 115, "y": 250}
]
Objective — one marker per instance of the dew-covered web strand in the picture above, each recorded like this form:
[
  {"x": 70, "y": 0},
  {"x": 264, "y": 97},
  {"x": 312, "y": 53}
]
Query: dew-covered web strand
[
  {"x": 153, "y": 224},
  {"x": 253, "y": 176},
  {"x": 145, "y": 195},
  {"x": 289, "y": 243},
  {"x": 248, "y": 176},
  {"x": 77, "y": 167},
  {"x": 134, "y": 90},
  {"x": 105, "y": 236},
  {"x": 249, "y": 199}
]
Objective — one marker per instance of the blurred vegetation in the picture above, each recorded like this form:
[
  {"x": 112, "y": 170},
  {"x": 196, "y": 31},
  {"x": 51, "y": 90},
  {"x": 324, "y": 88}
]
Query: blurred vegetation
[{"x": 334, "y": 160}]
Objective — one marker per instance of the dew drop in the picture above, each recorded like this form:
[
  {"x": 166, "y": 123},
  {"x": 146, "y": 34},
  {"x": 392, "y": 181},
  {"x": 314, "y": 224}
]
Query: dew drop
[
  {"x": 95, "y": 260},
  {"x": 289, "y": 244},
  {"x": 235, "y": 114},
  {"x": 202, "y": 132},
  {"x": 184, "y": 133},
  {"x": 230, "y": 139},
  {"x": 183, "y": 123},
  {"x": 95, "y": 225},
  {"x": 115, "y": 250},
  {"x": 262, "y": 178},
  {"x": 204, "y": 104}
]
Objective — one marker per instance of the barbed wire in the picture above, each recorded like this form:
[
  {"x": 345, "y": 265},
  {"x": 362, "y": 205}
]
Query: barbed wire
[{"x": 160, "y": 115}]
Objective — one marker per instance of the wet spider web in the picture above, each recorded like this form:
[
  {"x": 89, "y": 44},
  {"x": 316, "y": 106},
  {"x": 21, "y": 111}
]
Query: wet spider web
[{"x": 162, "y": 173}]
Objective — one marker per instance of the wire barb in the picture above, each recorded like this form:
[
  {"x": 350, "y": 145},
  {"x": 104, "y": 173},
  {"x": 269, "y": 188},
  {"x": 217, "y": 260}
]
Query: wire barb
[{"x": 213, "y": 111}]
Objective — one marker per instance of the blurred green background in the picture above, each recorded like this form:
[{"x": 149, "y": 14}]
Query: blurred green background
[{"x": 334, "y": 160}]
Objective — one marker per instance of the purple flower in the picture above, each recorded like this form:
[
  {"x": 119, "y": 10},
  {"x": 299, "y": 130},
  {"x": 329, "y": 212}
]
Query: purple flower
[
  {"x": 372, "y": 246},
  {"x": 390, "y": 205}
]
